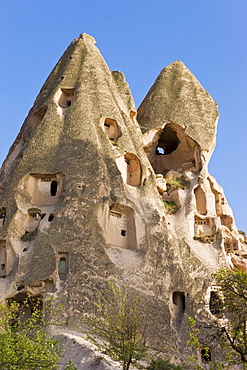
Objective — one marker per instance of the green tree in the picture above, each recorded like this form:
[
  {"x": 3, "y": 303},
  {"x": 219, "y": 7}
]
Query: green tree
[
  {"x": 121, "y": 324},
  {"x": 233, "y": 289},
  {"x": 24, "y": 344}
]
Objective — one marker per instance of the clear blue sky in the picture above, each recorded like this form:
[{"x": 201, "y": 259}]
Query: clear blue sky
[{"x": 139, "y": 38}]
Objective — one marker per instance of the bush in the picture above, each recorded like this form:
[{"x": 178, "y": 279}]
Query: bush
[
  {"x": 161, "y": 364},
  {"x": 171, "y": 207},
  {"x": 29, "y": 236},
  {"x": 178, "y": 183}
]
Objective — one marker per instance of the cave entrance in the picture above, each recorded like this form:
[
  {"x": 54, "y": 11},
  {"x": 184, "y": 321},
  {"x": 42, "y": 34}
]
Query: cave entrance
[
  {"x": 168, "y": 141},
  {"x": 170, "y": 148}
]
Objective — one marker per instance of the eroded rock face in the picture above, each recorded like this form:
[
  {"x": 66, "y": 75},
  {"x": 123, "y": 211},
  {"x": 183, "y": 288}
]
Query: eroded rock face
[
  {"x": 178, "y": 97},
  {"x": 86, "y": 197}
]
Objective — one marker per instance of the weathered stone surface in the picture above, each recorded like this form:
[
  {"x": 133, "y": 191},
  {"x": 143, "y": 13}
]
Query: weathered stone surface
[
  {"x": 178, "y": 97},
  {"x": 83, "y": 167}
]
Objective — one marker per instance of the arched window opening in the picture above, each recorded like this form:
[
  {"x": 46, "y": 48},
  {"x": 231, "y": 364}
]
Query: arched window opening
[
  {"x": 216, "y": 304},
  {"x": 63, "y": 266},
  {"x": 53, "y": 189},
  {"x": 133, "y": 170},
  {"x": 201, "y": 202},
  {"x": 178, "y": 299},
  {"x": 50, "y": 217},
  {"x": 111, "y": 128}
]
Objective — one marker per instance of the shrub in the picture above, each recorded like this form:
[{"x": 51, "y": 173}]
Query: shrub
[
  {"x": 161, "y": 364},
  {"x": 171, "y": 207},
  {"x": 178, "y": 183},
  {"x": 29, "y": 236}
]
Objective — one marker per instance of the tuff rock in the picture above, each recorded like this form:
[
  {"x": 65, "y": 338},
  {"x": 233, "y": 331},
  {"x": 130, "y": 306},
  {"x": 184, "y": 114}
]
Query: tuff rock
[{"x": 84, "y": 195}]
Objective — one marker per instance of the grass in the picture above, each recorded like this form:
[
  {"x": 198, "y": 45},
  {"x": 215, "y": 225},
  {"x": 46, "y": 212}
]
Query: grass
[
  {"x": 171, "y": 207},
  {"x": 29, "y": 236},
  {"x": 32, "y": 211},
  {"x": 179, "y": 183},
  {"x": 206, "y": 238}
]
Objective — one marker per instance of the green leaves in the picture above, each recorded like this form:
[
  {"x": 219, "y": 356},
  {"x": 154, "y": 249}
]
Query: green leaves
[
  {"x": 233, "y": 288},
  {"x": 24, "y": 345},
  {"x": 121, "y": 324}
]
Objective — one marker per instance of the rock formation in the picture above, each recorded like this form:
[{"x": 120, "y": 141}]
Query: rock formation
[{"x": 90, "y": 193}]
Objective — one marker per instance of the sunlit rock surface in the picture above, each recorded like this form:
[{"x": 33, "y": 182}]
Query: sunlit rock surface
[{"x": 90, "y": 193}]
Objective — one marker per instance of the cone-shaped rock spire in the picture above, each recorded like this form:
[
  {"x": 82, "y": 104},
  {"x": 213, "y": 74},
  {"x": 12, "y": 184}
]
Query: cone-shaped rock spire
[
  {"x": 178, "y": 97},
  {"x": 81, "y": 202}
]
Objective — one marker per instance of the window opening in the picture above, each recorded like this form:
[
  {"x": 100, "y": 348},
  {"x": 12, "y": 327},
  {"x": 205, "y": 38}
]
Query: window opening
[
  {"x": 216, "y": 304},
  {"x": 51, "y": 217},
  {"x": 53, "y": 189},
  {"x": 3, "y": 266},
  {"x": 206, "y": 355},
  {"x": 111, "y": 128},
  {"x": 178, "y": 299},
  {"x": 168, "y": 142},
  {"x": 63, "y": 267},
  {"x": 123, "y": 232}
]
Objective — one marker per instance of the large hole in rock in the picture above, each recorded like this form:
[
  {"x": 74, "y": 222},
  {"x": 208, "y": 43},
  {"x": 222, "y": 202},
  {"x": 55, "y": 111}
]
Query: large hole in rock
[
  {"x": 27, "y": 305},
  {"x": 44, "y": 189},
  {"x": 203, "y": 226},
  {"x": 216, "y": 304},
  {"x": 119, "y": 227},
  {"x": 130, "y": 168},
  {"x": 178, "y": 307},
  {"x": 168, "y": 141},
  {"x": 65, "y": 97},
  {"x": 201, "y": 202},
  {"x": 171, "y": 149},
  {"x": 111, "y": 128}
]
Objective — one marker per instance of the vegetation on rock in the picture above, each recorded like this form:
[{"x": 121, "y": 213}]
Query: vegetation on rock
[
  {"x": 178, "y": 183},
  {"x": 24, "y": 344},
  {"x": 29, "y": 236},
  {"x": 161, "y": 364},
  {"x": 121, "y": 325},
  {"x": 233, "y": 288},
  {"x": 171, "y": 207}
]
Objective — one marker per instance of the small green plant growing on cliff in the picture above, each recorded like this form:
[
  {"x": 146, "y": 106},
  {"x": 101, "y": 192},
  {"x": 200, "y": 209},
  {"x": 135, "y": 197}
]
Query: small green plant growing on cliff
[
  {"x": 70, "y": 366},
  {"x": 24, "y": 344},
  {"x": 120, "y": 324},
  {"x": 161, "y": 364},
  {"x": 171, "y": 206},
  {"x": 206, "y": 238},
  {"x": 29, "y": 236},
  {"x": 178, "y": 183}
]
